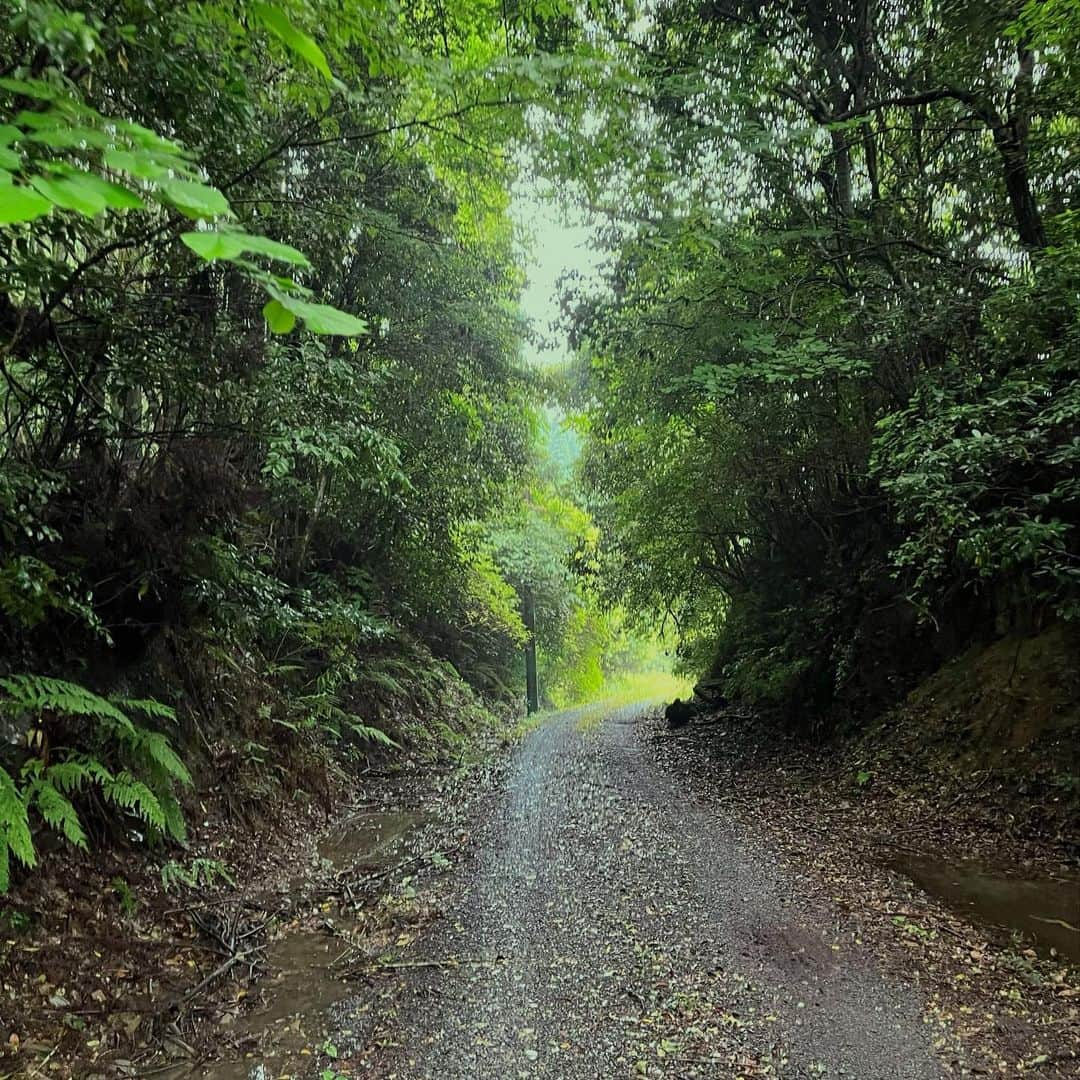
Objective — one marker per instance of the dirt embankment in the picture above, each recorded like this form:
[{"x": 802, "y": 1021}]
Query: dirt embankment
[{"x": 982, "y": 759}]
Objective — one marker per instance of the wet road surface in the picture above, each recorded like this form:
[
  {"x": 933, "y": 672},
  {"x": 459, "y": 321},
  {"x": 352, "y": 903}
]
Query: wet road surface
[{"x": 614, "y": 928}]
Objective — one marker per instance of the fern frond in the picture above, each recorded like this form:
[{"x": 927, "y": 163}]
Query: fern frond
[
  {"x": 369, "y": 733},
  {"x": 383, "y": 680},
  {"x": 144, "y": 789},
  {"x": 159, "y": 750},
  {"x": 69, "y": 776},
  {"x": 131, "y": 794},
  {"x": 14, "y": 821},
  {"x": 157, "y": 710},
  {"x": 38, "y": 694},
  {"x": 58, "y": 812},
  {"x": 95, "y": 772},
  {"x": 174, "y": 817},
  {"x": 174, "y": 873}
]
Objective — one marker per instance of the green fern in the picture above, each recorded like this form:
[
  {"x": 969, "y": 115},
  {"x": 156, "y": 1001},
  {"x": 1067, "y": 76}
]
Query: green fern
[
  {"x": 131, "y": 794},
  {"x": 369, "y": 733},
  {"x": 158, "y": 749},
  {"x": 384, "y": 680},
  {"x": 175, "y": 826},
  {"x": 135, "y": 769},
  {"x": 156, "y": 710},
  {"x": 37, "y": 694},
  {"x": 15, "y": 835},
  {"x": 58, "y": 813},
  {"x": 69, "y": 776}
]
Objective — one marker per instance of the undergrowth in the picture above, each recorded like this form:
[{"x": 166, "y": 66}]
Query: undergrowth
[{"x": 80, "y": 749}]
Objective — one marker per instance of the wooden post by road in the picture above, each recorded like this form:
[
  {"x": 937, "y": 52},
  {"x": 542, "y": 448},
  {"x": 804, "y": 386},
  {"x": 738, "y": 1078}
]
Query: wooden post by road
[{"x": 532, "y": 687}]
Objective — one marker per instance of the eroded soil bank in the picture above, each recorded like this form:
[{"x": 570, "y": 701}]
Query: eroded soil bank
[{"x": 104, "y": 972}]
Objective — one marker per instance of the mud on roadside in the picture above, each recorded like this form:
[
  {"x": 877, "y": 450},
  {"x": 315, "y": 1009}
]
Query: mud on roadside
[{"x": 105, "y": 972}]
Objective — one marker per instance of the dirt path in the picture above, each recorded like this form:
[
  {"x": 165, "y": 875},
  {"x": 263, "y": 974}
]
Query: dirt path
[{"x": 615, "y": 929}]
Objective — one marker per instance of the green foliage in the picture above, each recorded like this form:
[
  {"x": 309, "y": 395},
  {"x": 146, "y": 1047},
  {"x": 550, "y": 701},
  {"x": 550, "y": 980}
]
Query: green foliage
[
  {"x": 197, "y": 873},
  {"x": 63, "y": 155},
  {"x": 286, "y": 533},
  {"x": 829, "y": 387},
  {"x": 984, "y": 465},
  {"x": 124, "y": 895},
  {"x": 133, "y": 769}
]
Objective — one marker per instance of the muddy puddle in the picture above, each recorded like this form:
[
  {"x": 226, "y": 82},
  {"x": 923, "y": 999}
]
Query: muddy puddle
[
  {"x": 305, "y": 977},
  {"x": 1045, "y": 911},
  {"x": 370, "y": 837}
]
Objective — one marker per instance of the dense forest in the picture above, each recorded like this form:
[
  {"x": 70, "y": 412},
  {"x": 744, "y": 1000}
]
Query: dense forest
[
  {"x": 288, "y": 503},
  {"x": 832, "y": 391},
  {"x": 276, "y": 484},
  {"x": 274, "y": 478}
]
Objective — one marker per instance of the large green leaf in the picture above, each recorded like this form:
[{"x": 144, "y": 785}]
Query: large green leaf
[
  {"x": 195, "y": 200},
  {"x": 278, "y": 317},
  {"x": 324, "y": 319},
  {"x": 74, "y": 189},
  {"x": 141, "y": 164},
  {"x": 231, "y": 245},
  {"x": 69, "y": 195},
  {"x": 19, "y": 203},
  {"x": 116, "y": 196},
  {"x": 277, "y": 22},
  {"x": 65, "y": 136}
]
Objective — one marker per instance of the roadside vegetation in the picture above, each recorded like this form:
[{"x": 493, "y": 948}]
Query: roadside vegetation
[
  {"x": 273, "y": 475},
  {"x": 279, "y": 492},
  {"x": 831, "y": 389}
]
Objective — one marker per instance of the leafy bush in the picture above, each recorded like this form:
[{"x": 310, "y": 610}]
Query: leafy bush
[{"x": 983, "y": 465}]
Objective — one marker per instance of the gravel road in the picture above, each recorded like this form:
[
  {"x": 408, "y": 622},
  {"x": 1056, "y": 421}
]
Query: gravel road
[{"x": 613, "y": 928}]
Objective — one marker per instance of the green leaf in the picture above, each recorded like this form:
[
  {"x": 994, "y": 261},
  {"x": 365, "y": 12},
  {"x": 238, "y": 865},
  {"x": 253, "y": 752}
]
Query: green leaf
[
  {"x": 65, "y": 137},
  {"x": 19, "y": 203},
  {"x": 231, "y": 245},
  {"x": 324, "y": 319},
  {"x": 278, "y": 318},
  {"x": 34, "y": 88},
  {"x": 116, "y": 196},
  {"x": 144, "y": 166},
  {"x": 151, "y": 140},
  {"x": 9, "y": 159},
  {"x": 263, "y": 245},
  {"x": 194, "y": 199},
  {"x": 69, "y": 195},
  {"x": 277, "y": 22}
]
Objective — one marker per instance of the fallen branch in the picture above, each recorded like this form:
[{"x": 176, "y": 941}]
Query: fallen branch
[{"x": 221, "y": 969}]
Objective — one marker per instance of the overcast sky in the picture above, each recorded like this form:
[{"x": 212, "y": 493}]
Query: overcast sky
[{"x": 557, "y": 239}]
